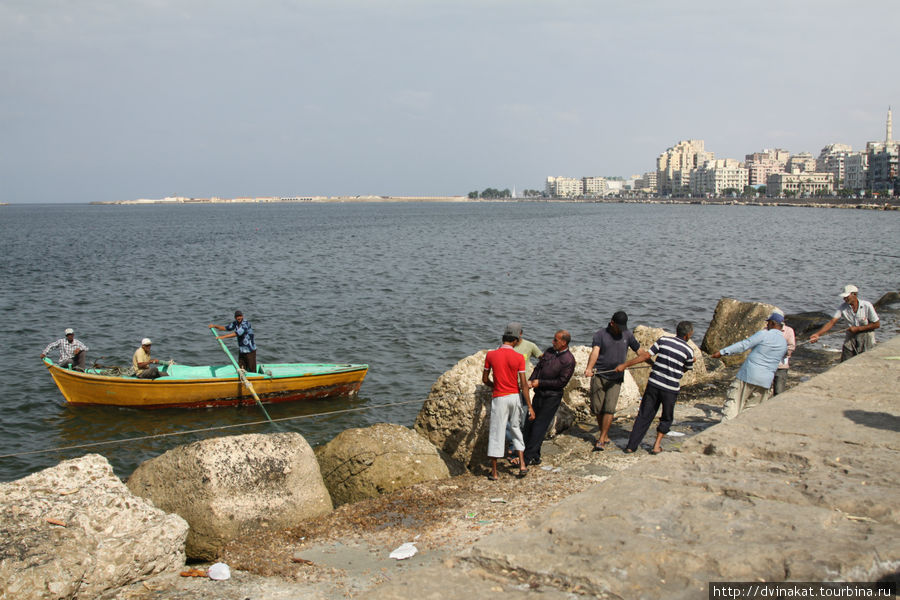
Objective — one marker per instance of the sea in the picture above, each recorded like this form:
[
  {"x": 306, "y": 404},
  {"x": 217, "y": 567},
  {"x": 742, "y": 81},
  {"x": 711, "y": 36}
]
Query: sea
[{"x": 407, "y": 288}]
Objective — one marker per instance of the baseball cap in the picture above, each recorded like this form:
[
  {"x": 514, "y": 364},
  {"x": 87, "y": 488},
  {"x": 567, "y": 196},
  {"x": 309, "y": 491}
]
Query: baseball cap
[
  {"x": 620, "y": 319},
  {"x": 776, "y": 316},
  {"x": 513, "y": 329},
  {"x": 848, "y": 289},
  {"x": 238, "y": 313},
  {"x": 69, "y": 330},
  {"x": 146, "y": 342}
]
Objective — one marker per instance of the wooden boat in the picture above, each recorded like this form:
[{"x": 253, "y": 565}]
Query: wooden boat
[{"x": 195, "y": 386}]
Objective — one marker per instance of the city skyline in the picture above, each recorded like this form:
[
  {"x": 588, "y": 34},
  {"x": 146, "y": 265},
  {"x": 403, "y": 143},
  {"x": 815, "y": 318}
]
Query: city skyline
[{"x": 102, "y": 101}]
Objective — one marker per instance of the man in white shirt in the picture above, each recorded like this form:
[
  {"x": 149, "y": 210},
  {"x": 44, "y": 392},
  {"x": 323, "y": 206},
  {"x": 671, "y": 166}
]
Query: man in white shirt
[{"x": 862, "y": 320}]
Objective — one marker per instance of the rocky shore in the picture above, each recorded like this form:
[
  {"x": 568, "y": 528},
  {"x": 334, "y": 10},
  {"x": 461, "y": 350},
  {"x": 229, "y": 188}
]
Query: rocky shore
[{"x": 545, "y": 533}]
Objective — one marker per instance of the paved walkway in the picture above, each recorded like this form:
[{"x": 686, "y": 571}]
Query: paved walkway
[{"x": 801, "y": 488}]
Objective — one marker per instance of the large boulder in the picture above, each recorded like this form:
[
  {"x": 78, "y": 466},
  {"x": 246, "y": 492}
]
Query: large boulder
[
  {"x": 455, "y": 416},
  {"x": 733, "y": 321},
  {"x": 230, "y": 487},
  {"x": 367, "y": 462},
  {"x": 647, "y": 336},
  {"x": 75, "y": 531}
]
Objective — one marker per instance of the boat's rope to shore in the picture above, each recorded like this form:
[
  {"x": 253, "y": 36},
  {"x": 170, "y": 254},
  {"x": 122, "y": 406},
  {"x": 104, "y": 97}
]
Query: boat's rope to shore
[{"x": 205, "y": 429}]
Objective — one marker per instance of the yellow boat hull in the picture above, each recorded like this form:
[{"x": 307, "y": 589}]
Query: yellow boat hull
[{"x": 94, "y": 389}]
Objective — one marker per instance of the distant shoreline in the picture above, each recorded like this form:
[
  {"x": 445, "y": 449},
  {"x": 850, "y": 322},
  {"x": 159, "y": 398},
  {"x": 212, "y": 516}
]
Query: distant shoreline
[{"x": 870, "y": 204}]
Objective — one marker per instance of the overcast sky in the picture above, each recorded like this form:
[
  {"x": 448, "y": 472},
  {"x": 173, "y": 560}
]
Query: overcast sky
[{"x": 125, "y": 99}]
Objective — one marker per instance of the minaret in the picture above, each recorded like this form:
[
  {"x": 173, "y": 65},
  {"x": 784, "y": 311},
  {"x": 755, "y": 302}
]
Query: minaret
[{"x": 888, "y": 138}]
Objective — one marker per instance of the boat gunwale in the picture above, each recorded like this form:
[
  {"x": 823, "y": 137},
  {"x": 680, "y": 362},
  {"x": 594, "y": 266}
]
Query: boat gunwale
[{"x": 258, "y": 377}]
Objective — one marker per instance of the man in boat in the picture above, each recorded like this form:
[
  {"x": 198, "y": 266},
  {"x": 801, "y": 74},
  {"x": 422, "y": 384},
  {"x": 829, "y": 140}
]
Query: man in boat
[
  {"x": 548, "y": 380},
  {"x": 862, "y": 319},
  {"x": 609, "y": 348},
  {"x": 767, "y": 349},
  {"x": 243, "y": 331},
  {"x": 71, "y": 351},
  {"x": 145, "y": 366},
  {"x": 508, "y": 368}
]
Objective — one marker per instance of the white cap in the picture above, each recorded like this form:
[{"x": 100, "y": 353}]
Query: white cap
[
  {"x": 69, "y": 330},
  {"x": 146, "y": 342},
  {"x": 848, "y": 289}
]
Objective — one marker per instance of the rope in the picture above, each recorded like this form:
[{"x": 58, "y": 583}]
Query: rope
[
  {"x": 224, "y": 427},
  {"x": 190, "y": 431}
]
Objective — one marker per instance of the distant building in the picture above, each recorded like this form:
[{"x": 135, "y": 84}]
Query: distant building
[
  {"x": 802, "y": 162},
  {"x": 856, "y": 170},
  {"x": 594, "y": 186},
  {"x": 674, "y": 166},
  {"x": 646, "y": 183},
  {"x": 799, "y": 184},
  {"x": 564, "y": 187},
  {"x": 760, "y": 165},
  {"x": 833, "y": 159},
  {"x": 716, "y": 176},
  {"x": 884, "y": 163}
]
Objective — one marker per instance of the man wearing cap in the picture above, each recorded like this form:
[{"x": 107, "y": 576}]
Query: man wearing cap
[
  {"x": 767, "y": 348},
  {"x": 145, "y": 366},
  {"x": 508, "y": 369},
  {"x": 243, "y": 331},
  {"x": 608, "y": 350},
  {"x": 781, "y": 372},
  {"x": 862, "y": 320},
  {"x": 71, "y": 351}
]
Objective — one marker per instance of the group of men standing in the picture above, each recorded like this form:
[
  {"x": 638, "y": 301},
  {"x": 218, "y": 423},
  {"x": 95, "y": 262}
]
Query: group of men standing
[{"x": 527, "y": 406}]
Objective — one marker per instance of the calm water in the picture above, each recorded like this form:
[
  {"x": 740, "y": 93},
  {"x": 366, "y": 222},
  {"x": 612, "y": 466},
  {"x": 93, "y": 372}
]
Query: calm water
[{"x": 407, "y": 288}]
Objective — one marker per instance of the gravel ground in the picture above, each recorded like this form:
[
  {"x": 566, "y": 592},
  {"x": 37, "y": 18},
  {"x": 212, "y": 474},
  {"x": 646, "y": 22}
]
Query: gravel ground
[{"x": 347, "y": 551}]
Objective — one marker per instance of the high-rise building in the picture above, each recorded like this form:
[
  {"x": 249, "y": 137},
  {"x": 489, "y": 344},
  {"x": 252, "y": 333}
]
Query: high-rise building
[
  {"x": 717, "y": 176},
  {"x": 646, "y": 183},
  {"x": 594, "y": 186},
  {"x": 884, "y": 163},
  {"x": 856, "y": 169},
  {"x": 564, "y": 187},
  {"x": 833, "y": 159},
  {"x": 760, "y": 165},
  {"x": 674, "y": 166},
  {"x": 802, "y": 162}
]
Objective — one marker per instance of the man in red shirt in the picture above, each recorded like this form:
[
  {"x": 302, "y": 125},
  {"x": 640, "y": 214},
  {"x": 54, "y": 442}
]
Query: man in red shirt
[{"x": 508, "y": 368}]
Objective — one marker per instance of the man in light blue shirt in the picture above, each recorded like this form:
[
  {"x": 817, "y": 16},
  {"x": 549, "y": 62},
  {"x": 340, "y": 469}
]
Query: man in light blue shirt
[{"x": 767, "y": 348}]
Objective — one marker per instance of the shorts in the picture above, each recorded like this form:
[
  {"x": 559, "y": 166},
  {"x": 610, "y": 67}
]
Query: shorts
[
  {"x": 604, "y": 395},
  {"x": 504, "y": 410}
]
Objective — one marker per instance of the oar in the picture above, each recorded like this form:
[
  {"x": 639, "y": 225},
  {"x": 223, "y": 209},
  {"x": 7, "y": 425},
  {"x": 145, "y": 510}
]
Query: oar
[{"x": 240, "y": 372}]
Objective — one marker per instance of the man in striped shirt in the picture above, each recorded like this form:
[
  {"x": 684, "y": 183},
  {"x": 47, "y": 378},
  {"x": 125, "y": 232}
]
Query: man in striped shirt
[{"x": 674, "y": 356}]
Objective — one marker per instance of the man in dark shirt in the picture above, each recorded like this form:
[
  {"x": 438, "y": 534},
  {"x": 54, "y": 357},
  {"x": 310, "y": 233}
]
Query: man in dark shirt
[
  {"x": 548, "y": 380},
  {"x": 609, "y": 349},
  {"x": 243, "y": 331}
]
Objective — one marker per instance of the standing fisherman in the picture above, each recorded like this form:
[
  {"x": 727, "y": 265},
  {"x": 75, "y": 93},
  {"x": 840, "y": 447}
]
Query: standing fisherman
[
  {"x": 863, "y": 321},
  {"x": 243, "y": 331}
]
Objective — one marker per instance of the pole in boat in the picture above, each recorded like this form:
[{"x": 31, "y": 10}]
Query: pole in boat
[{"x": 241, "y": 374}]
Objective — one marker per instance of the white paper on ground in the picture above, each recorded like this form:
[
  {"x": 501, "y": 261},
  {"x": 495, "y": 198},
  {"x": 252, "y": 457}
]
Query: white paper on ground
[
  {"x": 674, "y": 434},
  {"x": 219, "y": 572},
  {"x": 404, "y": 551}
]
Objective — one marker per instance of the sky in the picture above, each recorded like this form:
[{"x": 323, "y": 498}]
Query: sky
[{"x": 125, "y": 99}]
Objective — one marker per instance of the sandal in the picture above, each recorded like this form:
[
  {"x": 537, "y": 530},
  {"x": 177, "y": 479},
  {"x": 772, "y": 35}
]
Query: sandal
[
  {"x": 492, "y": 478},
  {"x": 656, "y": 451},
  {"x": 522, "y": 473}
]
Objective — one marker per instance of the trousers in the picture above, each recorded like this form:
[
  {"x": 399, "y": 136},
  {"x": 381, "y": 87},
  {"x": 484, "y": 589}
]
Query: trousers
[{"x": 545, "y": 405}]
